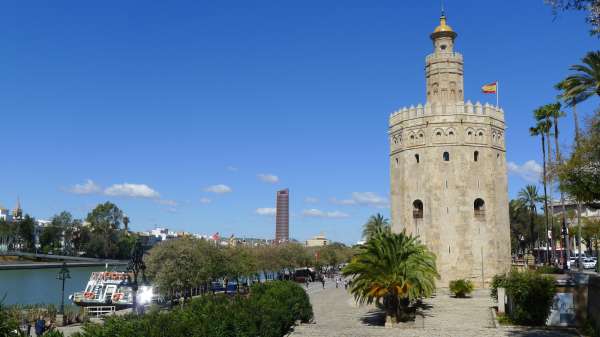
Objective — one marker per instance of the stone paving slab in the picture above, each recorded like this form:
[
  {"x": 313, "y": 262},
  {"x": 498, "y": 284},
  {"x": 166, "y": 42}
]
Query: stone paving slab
[{"x": 337, "y": 315}]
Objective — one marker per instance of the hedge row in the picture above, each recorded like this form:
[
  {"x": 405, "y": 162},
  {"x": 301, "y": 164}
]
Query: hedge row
[
  {"x": 271, "y": 310},
  {"x": 531, "y": 294}
]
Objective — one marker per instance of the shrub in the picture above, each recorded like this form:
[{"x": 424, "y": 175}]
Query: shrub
[
  {"x": 461, "y": 288},
  {"x": 498, "y": 281},
  {"x": 548, "y": 270},
  {"x": 54, "y": 333},
  {"x": 269, "y": 311},
  {"x": 8, "y": 325},
  {"x": 531, "y": 295}
]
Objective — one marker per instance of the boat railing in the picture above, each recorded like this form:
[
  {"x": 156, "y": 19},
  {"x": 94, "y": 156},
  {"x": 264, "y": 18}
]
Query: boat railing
[{"x": 99, "y": 311}]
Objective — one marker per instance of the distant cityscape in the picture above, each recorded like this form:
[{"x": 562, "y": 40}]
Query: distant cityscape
[{"x": 153, "y": 236}]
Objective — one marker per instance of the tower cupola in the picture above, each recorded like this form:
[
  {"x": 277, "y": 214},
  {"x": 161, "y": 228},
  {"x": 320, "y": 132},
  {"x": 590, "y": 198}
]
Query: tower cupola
[{"x": 444, "y": 67}]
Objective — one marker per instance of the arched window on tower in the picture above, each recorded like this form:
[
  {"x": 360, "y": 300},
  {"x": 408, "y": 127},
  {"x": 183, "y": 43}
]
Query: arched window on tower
[
  {"x": 476, "y": 156},
  {"x": 446, "y": 156},
  {"x": 479, "y": 208},
  {"x": 417, "y": 158},
  {"x": 417, "y": 209}
]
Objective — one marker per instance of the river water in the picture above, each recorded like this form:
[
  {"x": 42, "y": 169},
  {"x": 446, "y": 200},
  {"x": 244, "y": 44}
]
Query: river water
[{"x": 40, "y": 286}]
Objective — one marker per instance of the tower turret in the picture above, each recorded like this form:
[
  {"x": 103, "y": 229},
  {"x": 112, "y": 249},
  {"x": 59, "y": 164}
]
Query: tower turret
[{"x": 444, "y": 68}]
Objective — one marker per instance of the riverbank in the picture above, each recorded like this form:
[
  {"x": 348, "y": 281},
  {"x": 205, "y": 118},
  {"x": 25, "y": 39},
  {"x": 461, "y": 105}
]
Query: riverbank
[
  {"x": 8, "y": 262},
  {"x": 44, "y": 265}
]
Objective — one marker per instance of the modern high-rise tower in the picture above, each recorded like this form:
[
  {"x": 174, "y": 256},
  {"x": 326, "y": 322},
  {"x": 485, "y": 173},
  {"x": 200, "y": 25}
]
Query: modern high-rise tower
[
  {"x": 448, "y": 171},
  {"x": 282, "y": 216}
]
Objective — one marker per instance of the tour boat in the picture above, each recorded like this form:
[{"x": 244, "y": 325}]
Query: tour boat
[{"x": 111, "y": 289}]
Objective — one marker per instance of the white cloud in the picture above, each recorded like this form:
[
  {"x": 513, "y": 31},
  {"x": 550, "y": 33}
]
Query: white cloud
[
  {"x": 369, "y": 198},
  {"x": 530, "y": 171},
  {"x": 218, "y": 189},
  {"x": 167, "y": 202},
  {"x": 311, "y": 200},
  {"x": 265, "y": 211},
  {"x": 205, "y": 200},
  {"x": 131, "y": 190},
  {"x": 363, "y": 198},
  {"x": 89, "y": 187},
  {"x": 317, "y": 213},
  {"x": 343, "y": 201},
  {"x": 268, "y": 178},
  {"x": 232, "y": 168}
]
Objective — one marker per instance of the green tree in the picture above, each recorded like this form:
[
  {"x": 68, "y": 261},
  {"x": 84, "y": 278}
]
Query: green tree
[
  {"x": 519, "y": 223},
  {"x": 178, "y": 265},
  {"x": 375, "y": 224},
  {"x": 105, "y": 220},
  {"x": 25, "y": 230},
  {"x": 580, "y": 175},
  {"x": 393, "y": 270},
  {"x": 50, "y": 238},
  {"x": 529, "y": 198}
]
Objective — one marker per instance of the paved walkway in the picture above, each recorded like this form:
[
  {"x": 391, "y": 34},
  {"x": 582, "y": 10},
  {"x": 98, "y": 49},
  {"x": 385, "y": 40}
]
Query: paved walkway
[{"x": 337, "y": 315}]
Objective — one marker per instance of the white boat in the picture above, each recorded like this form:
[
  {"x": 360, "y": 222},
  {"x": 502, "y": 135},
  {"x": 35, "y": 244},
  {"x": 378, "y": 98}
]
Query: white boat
[{"x": 111, "y": 288}]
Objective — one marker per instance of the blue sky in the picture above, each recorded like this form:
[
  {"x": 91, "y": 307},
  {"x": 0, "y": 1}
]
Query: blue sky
[{"x": 178, "y": 98}]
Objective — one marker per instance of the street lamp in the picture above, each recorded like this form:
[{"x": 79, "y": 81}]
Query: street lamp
[
  {"x": 136, "y": 265},
  {"x": 63, "y": 275}
]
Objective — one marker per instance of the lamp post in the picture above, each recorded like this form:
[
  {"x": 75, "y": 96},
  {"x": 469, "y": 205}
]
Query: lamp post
[
  {"x": 135, "y": 266},
  {"x": 63, "y": 275}
]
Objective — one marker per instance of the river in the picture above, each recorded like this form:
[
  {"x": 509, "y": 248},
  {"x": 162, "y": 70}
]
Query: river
[{"x": 40, "y": 286}]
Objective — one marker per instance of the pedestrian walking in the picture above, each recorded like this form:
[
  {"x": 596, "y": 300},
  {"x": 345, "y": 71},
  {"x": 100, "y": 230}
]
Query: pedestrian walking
[
  {"x": 306, "y": 281},
  {"x": 337, "y": 282},
  {"x": 40, "y": 326},
  {"x": 346, "y": 284},
  {"x": 323, "y": 281}
]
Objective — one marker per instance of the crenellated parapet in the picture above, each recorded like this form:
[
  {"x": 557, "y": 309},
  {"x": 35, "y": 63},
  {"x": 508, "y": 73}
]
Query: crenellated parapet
[{"x": 438, "y": 109}]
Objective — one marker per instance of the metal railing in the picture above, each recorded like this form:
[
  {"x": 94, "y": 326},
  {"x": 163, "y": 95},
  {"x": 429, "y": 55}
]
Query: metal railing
[{"x": 99, "y": 311}]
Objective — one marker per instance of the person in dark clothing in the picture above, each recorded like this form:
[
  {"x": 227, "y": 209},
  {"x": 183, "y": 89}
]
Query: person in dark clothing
[
  {"x": 40, "y": 326},
  {"x": 323, "y": 281}
]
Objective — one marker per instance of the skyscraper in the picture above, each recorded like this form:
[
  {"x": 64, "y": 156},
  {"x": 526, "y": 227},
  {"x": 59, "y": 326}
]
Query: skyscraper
[{"x": 282, "y": 217}]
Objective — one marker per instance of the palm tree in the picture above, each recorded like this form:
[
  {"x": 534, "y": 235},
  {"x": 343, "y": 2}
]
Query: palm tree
[
  {"x": 554, "y": 110},
  {"x": 582, "y": 85},
  {"x": 529, "y": 197},
  {"x": 375, "y": 224},
  {"x": 392, "y": 270},
  {"x": 544, "y": 116},
  {"x": 585, "y": 83},
  {"x": 541, "y": 129}
]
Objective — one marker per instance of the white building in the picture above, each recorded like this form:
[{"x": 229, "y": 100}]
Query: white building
[{"x": 317, "y": 241}]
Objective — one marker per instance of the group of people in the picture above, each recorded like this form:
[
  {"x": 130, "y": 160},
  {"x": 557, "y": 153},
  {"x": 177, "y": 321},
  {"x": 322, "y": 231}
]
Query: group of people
[
  {"x": 40, "y": 326},
  {"x": 338, "y": 281}
]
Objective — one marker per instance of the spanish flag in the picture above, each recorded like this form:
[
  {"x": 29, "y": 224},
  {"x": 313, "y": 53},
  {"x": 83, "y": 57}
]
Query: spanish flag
[{"x": 491, "y": 88}]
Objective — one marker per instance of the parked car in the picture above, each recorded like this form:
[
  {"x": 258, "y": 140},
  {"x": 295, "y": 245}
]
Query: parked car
[{"x": 589, "y": 263}]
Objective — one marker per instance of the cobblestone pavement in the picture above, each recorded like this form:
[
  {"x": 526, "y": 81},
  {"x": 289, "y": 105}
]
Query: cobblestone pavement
[{"x": 337, "y": 315}]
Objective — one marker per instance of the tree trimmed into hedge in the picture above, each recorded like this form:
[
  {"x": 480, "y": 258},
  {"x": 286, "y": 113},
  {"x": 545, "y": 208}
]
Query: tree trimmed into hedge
[
  {"x": 271, "y": 310},
  {"x": 531, "y": 294}
]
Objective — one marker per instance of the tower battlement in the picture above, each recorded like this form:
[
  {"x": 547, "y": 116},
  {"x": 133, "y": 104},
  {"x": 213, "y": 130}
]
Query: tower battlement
[{"x": 458, "y": 108}]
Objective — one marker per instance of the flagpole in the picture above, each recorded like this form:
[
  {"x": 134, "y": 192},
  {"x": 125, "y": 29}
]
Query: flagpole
[{"x": 497, "y": 94}]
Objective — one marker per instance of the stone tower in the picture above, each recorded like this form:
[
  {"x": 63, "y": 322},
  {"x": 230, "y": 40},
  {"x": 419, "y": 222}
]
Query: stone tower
[{"x": 448, "y": 172}]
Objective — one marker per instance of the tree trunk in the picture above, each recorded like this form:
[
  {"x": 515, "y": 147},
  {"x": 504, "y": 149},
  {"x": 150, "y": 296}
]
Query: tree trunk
[
  {"x": 545, "y": 192},
  {"x": 551, "y": 188}
]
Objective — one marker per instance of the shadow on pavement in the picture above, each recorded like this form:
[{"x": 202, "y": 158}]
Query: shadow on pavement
[
  {"x": 374, "y": 318},
  {"x": 540, "y": 332}
]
